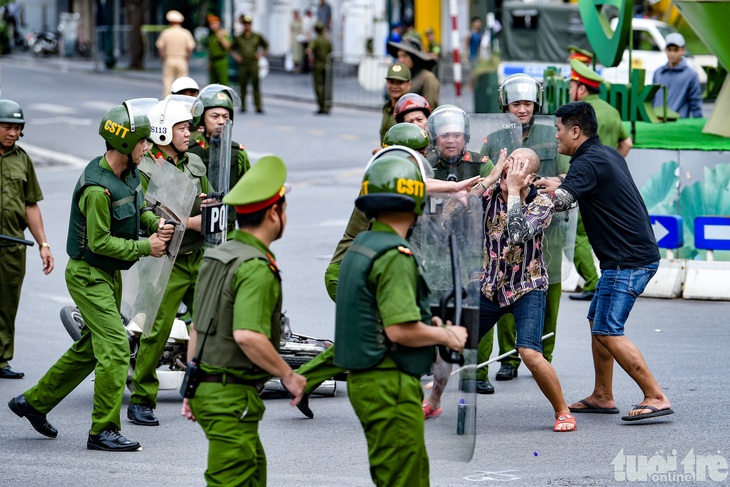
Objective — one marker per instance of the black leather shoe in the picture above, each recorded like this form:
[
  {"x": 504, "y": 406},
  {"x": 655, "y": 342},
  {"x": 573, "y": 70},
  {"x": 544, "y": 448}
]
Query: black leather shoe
[
  {"x": 303, "y": 406},
  {"x": 507, "y": 372},
  {"x": 37, "y": 419},
  {"x": 584, "y": 296},
  {"x": 8, "y": 372},
  {"x": 259, "y": 110},
  {"x": 484, "y": 387},
  {"x": 142, "y": 415},
  {"x": 110, "y": 440}
]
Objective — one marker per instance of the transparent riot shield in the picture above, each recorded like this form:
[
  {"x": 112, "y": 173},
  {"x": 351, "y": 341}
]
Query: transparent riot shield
[
  {"x": 215, "y": 215},
  {"x": 170, "y": 195},
  {"x": 491, "y": 132},
  {"x": 448, "y": 243}
]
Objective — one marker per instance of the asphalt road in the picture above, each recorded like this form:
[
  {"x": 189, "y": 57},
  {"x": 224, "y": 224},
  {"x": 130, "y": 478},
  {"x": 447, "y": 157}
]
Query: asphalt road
[{"x": 682, "y": 341}]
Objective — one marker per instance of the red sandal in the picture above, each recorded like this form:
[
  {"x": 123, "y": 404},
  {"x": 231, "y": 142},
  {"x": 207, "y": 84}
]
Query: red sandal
[
  {"x": 564, "y": 419},
  {"x": 428, "y": 411}
]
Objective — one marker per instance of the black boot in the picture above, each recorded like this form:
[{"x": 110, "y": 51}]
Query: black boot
[
  {"x": 142, "y": 415},
  {"x": 110, "y": 440},
  {"x": 37, "y": 419}
]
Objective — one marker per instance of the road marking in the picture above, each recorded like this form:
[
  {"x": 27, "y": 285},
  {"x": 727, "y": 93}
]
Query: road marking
[
  {"x": 350, "y": 137},
  {"x": 52, "y": 108},
  {"x": 316, "y": 132},
  {"x": 286, "y": 128},
  {"x": 103, "y": 106},
  {"x": 36, "y": 152},
  {"x": 332, "y": 223},
  {"x": 61, "y": 121}
]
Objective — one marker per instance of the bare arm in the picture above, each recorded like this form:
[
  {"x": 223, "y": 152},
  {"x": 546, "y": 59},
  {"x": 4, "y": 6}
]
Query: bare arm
[
  {"x": 35, "y": 225},
  {"x": 625, "y": 146},
  {"x": 419, "y": 334},
  {"x": 261, "y": 352}
]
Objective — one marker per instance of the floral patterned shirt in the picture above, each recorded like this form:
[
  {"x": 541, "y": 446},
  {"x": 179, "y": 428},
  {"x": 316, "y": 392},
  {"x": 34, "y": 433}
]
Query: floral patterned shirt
[{"x": 511, "y": 269}]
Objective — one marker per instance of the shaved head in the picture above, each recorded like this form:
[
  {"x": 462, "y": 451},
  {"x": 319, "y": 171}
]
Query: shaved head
[{"x": 530, "y": 155}]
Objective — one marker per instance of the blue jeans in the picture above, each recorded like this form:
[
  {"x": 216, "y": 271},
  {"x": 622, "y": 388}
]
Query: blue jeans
[
  {"x": 616, "y": 294},
  {"x": 529, "y": 313}
]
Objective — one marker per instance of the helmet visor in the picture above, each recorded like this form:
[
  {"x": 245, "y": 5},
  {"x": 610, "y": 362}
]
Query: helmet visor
[
  {"x": 212, "y": 90},
  {"x": 138, "y": 107},
  {"x": 521, "y": 90},
  {"x": 400, "y": 150}
]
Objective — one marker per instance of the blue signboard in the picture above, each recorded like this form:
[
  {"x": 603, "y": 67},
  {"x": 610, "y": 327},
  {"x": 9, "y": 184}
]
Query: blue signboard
[
  {"x": 668, "y": 230},
  {"x": 712, "y": 232}
]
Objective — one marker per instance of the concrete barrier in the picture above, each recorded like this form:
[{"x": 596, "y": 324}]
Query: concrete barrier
[
  {"x": 707, "y": 280},
  {"x": 668, "y": 281}
]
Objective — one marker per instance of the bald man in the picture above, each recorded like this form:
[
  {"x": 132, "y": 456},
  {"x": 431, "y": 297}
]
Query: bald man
[{"x": 515, "y": 276}]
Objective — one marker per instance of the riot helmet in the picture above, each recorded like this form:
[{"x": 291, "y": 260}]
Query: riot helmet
[
  {"x": 125, "y": 125},
  {"x": 217, "y": 95},
  {"x": 520, "y": 87},
  {"x": 408, "y": 153},
  {"x": 409, "y": 103},
  {"x": 184, "y": 83},
  {"x": 407, "y": 134},
  {"x": 445, "y": 120},
  {"x": 169, "y": 112},
  {"x": 392, "y": 183}
]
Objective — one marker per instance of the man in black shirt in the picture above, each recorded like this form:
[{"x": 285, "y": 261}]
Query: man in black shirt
[{"x": 618, "y": 227}]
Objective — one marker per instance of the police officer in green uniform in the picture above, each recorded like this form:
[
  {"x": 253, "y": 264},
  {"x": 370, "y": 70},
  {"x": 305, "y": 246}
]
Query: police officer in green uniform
[
  {"x": 219, "y": 43},
  {"x": 585, "y": 85},
  {"x": 318, "y": 51},
  {"x": 101, "y": 242},
  {"x": 448, "y": 129},
  {"x": 247, "y": 48},
  {"x": 219, "y": 103},
  {"x": 397, "y": 84},
  {"x": 19, "y": 197},
  {"x": 383, "y": 324},
  {"x": 237, "y": 330},
  {"x": 170, "y": 121},
  {"x": 522, "y": 96}
]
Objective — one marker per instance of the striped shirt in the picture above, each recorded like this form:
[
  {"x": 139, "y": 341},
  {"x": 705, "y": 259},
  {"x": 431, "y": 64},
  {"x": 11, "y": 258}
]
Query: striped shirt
[{"x": 513, "y": 270}]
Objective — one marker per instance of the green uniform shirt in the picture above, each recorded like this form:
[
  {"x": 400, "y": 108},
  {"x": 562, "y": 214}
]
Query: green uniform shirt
[
  {"x": 256, "y": 291},
  {"x": 394, "y": 277},
  {"x": 425, "y": 83},
  {"x": 611, "y": 129},
  {"x": 471, "y": 164},
  {"x": 321, "y": 47},
  {"x": 216, "y": 50},
  {"x": 18, "y": 187},
  {"x": 388, "y": 119},
  {"x": 94, "y": 204},
  {"x": 248, "y": 45}
]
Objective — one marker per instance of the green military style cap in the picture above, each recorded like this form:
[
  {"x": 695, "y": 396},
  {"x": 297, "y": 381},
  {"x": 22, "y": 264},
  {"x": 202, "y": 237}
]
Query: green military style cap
[
  {"x": 399, "y": 72},
  {"x": 583, "y": 74},
  {"x": 259, "y": 187},
  {"x": 575, "y": 52}
]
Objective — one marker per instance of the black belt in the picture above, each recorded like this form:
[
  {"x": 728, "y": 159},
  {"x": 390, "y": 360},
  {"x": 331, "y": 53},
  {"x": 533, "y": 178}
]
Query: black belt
[{"x": 230, "y": 379}]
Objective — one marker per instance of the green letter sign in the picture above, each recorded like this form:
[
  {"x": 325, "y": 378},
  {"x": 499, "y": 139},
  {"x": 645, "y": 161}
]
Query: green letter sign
[{"x": 609, "y": 45}]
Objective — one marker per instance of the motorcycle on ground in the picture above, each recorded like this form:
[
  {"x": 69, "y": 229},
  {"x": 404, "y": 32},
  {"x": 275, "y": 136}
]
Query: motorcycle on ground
[
  {"x": 44, "y": 43},
  {"x": 295, "y": 349}
]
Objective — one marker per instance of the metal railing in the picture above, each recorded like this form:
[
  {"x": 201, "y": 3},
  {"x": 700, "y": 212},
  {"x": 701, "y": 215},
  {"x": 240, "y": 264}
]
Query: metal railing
[{"x": 357, "y": 81}]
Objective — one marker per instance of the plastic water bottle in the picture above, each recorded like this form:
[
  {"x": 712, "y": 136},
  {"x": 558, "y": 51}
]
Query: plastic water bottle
[{"x": 461, "y": 417}]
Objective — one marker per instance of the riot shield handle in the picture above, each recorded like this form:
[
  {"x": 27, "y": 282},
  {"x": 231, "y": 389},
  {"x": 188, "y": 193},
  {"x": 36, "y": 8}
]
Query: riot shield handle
[{"x": 457, "y": 293}]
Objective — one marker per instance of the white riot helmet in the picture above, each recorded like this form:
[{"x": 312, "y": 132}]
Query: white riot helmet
[
  {"x": 520, "y": 87},
  {"x": 170, "y": 111},
  {"x": 447, "y": 119},
  {"x": 183, "y": 83}
]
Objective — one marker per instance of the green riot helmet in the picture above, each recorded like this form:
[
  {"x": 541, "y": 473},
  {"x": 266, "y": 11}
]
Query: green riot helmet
[
  {"x": 10, "y": 112},
  {"x": 520, "y": 87},
  {"x": 392, "y": 183},
  {"x": 217, "y": 95},
  {"x": 407, "y": 134},
  {"x": 448, "y": 119},
  {"x": 125, "y": 125}
]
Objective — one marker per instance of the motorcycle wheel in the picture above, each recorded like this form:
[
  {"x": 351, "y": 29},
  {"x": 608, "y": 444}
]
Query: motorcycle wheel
[
  {"x": 296, "y": 361},
  {"x": 72, "y": 321}
]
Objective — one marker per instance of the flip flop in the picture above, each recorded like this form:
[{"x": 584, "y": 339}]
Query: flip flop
[
  {"x": 590, "y": 408},
  {"x": 428, "y": 411},
  {"x": 564, "y": 419},
  {"x": 655, "y": 412}
]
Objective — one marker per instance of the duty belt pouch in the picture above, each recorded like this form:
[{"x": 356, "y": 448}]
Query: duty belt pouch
[{"x": 191, "y": 381}]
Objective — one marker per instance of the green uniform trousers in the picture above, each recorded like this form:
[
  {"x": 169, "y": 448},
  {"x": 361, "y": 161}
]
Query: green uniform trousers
[
  {"x": 322, "y": 367},
  {"x": 249, "y": 73},
  {"x": 320, "y": 78},
  {"x": 388, "y": 404},
  {"x": 583, "y": 258},
  {"x": 102, "y": 349},
  {"x": 507, "y": 334},
  {"x": 180, "y": 289},
  {"x": 12, "y": 273},
  {"x": 229, "y": 415},
  {"x": 218, "y": 71}
]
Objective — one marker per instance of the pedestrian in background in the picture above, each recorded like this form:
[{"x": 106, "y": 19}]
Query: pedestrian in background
[
  {"x": 324, "y": 15},
  {"x": 410, "y": 31},
  {"x": 295, "y": 38},
  {"x": 618, "y": 226},
  {"x": 433, "y": 48},
  {"x": 409, "y": 52},
  {"x": 684, "y": 93},
  {"x": 107, "y": 213},
  {"x": 19, "y": 202},
  {"x": 318, "y": 52},
  {"x": 395, "y": 35},
  {"x": 308, "y": 22},
  {"x": 473, "y": 41},
  {"x": 175, "y": 45},
  {"x": 219, "y": 43},
  {"x": 237, "y": 330},
  {"x": 248, "y": 47}
]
